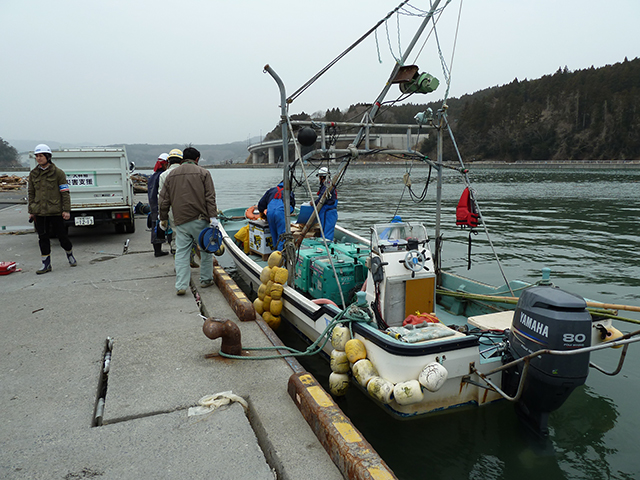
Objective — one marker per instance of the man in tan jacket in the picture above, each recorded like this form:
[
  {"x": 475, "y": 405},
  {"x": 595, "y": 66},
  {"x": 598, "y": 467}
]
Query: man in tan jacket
[{"x": 188, "y": 190}]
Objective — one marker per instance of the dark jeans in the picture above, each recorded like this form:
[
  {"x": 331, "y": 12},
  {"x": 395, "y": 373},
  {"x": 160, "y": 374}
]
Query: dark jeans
[{"x": 48, "y": 227}]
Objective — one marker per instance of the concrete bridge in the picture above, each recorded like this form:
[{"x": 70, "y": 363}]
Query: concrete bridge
[{"x": 271, "y": 152}]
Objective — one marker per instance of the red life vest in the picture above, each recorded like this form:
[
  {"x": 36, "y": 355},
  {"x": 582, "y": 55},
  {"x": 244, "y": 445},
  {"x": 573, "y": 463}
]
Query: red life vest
[{"x": 466, "y": 213}]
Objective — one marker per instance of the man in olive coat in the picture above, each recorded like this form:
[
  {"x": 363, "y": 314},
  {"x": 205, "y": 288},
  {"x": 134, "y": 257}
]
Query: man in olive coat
[{"x": 49, "y": 206}]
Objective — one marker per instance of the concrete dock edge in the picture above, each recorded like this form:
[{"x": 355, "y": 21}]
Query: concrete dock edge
[{"x": 352, "y": 454}]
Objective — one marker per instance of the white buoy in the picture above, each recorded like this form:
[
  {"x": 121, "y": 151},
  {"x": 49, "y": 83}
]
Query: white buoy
[
  {"x": 380, "y": 389},
  {"x": 364, "y": 370},
  {"x": 338, "y": 383},
  {"x": 339, "y": 362},
  {"x": 340, "y": 335},
  {"x": 407, "y": 393},
  {"x": 433, "y": 376}
]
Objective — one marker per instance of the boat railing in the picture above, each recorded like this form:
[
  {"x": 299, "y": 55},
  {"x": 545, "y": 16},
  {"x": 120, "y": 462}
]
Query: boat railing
[
  {"x": 410, "y": 129},
  {"x": 624, "y": 341}
]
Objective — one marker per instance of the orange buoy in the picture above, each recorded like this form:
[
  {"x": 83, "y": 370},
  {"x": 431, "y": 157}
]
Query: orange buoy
[{"x": 252, "y": 213}]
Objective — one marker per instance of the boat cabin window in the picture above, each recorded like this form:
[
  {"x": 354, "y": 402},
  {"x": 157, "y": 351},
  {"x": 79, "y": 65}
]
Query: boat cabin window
[{"x": 398, "y": 236}]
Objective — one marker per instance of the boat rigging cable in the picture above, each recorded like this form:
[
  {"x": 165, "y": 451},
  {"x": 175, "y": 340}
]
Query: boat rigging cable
[
  {"x": 399, "y": 61},
  {"x": 291, "y": 251},
  {"x": 447, "y": 73},
  {"x": 465, "y": 173},
  {"x": 298, "y": 92}
]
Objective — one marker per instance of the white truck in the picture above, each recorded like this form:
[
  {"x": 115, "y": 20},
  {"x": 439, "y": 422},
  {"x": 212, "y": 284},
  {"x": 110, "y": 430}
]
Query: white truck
[{"x": 100, "y": 186}]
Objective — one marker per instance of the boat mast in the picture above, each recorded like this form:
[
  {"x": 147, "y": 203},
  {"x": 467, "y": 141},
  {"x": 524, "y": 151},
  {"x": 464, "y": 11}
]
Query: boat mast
[
  {"x": 370, "y": 115},
  {"x": 437, "y": 246},
  {"x": 285, "y": 147}
]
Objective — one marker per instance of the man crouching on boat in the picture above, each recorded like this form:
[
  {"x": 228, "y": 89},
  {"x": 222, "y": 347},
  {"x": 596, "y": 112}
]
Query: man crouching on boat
[
  {"x": 273, "y": 203},
  {"x": 189, "y": 192}
]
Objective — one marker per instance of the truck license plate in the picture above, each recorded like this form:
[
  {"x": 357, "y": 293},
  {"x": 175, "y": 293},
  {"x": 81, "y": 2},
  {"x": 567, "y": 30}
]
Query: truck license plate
[{"x": 83, "y": 221}]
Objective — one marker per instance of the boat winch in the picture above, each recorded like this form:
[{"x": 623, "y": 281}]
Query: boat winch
[{"x": 547, "y": 318}]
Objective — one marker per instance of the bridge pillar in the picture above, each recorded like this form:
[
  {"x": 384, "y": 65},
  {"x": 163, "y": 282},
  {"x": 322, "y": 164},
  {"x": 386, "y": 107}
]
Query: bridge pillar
[
  {"x": 272, "y": 155},
  {"x": 254, "y": 158}
]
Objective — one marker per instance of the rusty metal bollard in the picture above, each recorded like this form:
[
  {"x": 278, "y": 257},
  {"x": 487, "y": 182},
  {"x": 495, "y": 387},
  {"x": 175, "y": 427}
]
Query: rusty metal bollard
[{"x": 227, "y": 330}]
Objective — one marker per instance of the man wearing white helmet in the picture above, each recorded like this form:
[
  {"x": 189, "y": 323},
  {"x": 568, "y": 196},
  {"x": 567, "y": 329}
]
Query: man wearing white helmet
[
  {"x": 328, "y": 214},
  {"x": 49, "y": 206}
]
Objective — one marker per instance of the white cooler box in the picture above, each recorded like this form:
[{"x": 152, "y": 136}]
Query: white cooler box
[{"x": 260, "y": 241}]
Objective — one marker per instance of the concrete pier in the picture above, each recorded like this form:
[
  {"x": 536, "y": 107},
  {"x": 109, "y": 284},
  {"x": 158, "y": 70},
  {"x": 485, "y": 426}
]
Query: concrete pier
[{"x": 121, "y": 299}]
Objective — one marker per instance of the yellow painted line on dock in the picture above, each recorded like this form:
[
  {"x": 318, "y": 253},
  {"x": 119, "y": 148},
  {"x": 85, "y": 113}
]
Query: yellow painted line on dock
[
  {"x": 347, "y": 431},
  {"x": 380, "y": 474},
  {"x": 319, "y": 395}
]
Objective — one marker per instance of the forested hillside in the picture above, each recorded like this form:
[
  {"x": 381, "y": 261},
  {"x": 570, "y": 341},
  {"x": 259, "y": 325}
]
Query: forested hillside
[
  {"x": 591, "y": 114},
  {"x": 8, "y": 155}
]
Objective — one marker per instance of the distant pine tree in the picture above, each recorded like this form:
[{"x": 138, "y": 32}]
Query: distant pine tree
[{"x": 8, "y": 155}]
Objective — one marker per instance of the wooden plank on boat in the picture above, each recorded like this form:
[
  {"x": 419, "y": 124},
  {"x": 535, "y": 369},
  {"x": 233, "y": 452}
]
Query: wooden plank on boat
[
  {"x": 493, "y": 321},
  {"x": 296, "y": 231}
]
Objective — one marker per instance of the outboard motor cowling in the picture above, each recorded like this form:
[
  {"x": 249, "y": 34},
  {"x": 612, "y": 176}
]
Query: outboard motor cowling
[{"x": 548, "y": 318}]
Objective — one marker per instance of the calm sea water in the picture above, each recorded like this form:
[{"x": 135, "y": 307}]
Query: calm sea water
[{"x": 585, "y": 226}]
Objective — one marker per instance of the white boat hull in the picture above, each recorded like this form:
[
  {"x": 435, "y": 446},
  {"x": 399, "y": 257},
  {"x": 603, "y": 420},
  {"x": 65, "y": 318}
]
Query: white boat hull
[{"x": 311, "y": 320}]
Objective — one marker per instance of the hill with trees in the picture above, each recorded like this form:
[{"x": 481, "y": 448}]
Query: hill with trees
[
  {"x": 591, "y": 114},
  {"x": 8, "y": 155}
]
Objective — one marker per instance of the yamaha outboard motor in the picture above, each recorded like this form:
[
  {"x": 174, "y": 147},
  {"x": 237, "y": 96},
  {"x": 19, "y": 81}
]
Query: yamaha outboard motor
[{"x": 547, "y": 318}]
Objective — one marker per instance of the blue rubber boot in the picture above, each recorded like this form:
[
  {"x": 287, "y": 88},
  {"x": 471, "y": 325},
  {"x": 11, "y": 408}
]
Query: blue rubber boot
[
  {"x": 71, "y": 258},
  {"x": 46, "y": 265}
]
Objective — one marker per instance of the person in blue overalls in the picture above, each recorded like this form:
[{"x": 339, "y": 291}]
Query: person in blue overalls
[
  {"x": 273, "y": 203},
  {"x": 328, "y": 214}
]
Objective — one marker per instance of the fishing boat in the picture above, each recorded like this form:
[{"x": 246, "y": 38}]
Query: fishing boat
[{"x": 390, "y": 317}]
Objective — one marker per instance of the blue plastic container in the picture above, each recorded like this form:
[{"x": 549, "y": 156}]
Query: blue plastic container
[{"x": 305, "y": 213}]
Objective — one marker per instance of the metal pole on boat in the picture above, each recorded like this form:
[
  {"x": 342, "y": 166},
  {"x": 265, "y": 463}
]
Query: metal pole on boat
[
  {"x": 438, "y": 243},
  {"x": 378, "y": 102},
  {"x": 285, "y": 146}
]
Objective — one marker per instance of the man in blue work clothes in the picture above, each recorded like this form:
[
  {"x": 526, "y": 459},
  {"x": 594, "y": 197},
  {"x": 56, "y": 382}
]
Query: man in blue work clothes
[
  {"x": 273, "y": 202},
  {"x": 328, "y": 214}
]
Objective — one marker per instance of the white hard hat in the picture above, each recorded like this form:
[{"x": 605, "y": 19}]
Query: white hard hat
[
  {"x": 42, "y": 148},
  {"x": 163, "y": 156},
  {"x": 323, "y": 172}
]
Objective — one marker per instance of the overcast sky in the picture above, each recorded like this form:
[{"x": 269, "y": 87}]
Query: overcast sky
[{"x": 97, "y": 72}]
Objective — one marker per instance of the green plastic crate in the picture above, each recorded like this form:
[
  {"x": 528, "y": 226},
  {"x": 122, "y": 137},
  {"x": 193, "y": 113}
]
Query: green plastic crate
[
  {"x": 322, "y": 281},
  {"x": 358, "y": 251},
  {"x": 303, "y": 265}
]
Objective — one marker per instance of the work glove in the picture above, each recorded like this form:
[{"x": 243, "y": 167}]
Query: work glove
[
  {"x": 164, "y": 224},
  {"x": 214, "y": 222}
]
